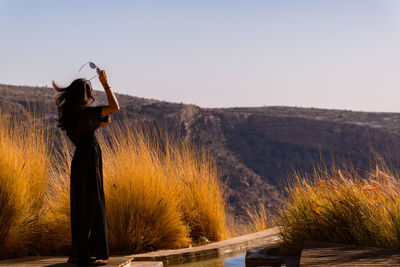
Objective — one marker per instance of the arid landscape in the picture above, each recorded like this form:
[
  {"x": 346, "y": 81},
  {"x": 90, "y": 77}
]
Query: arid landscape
[
  {"x": 200, "y": 133},
  {"x": 257, "y": 150}
]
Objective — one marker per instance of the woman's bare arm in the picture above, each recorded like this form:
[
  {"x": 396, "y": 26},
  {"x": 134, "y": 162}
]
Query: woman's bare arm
[{"x": 113, "y": 105}]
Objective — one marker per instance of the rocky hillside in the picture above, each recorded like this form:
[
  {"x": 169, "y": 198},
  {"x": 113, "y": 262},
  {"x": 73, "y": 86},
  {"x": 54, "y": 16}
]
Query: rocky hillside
[{"x": 256, "y": 149}]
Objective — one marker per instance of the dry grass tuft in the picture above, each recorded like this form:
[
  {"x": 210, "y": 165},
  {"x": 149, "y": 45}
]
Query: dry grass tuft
[
  {"x": 144, "y": 209},
  {"x": 24, "y": 163},
  {"x": 55, "y": 213},
  {"x": 341, "y": 206},
  {"x": 258, "y": 219}
]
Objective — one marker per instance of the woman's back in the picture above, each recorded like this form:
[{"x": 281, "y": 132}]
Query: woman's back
[{"x": 87, "y": 121}]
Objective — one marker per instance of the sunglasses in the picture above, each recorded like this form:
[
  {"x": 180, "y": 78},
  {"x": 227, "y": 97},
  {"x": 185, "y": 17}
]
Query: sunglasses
[{"x": 93, "y": 66}]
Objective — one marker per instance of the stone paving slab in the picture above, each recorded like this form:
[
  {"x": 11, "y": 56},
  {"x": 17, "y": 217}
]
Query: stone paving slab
[
  {"x": 211, "y": 250},
  {"x": 331, "y": 254},
  {"x": 40, "y": 261}
]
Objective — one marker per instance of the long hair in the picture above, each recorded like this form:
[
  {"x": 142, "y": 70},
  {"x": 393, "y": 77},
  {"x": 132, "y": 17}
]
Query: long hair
[{"x": 70, "y": 100}]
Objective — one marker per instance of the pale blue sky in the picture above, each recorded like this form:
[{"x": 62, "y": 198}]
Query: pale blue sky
[{"x": 331, "y": 54}]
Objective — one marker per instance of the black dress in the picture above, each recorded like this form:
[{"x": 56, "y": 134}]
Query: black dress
[{"x": 88, "y": 211}]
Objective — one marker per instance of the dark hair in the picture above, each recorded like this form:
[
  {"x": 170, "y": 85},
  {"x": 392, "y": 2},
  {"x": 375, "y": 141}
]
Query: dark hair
[{"x": 70, "y": 100}]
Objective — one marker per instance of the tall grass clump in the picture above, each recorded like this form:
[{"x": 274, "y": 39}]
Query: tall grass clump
[
  {"x": 344, "y": 206},
  {"x": 200, "y": 191},
  {"x": 159, "y": 193},
  {"x": 143, "y": 207},
  {"x": 55, "y": 214},
  {"x": 24, "y": 162}
]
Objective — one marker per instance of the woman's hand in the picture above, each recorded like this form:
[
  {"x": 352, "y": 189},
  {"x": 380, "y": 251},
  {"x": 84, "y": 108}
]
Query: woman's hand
[{"x": 103, "y": 78}]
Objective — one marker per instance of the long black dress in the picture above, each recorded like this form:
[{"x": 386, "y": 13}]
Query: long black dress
[{"x": 88, "y": 212}]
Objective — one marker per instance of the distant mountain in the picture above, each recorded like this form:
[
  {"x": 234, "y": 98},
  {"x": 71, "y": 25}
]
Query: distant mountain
[{"x": 256, "y": 149}]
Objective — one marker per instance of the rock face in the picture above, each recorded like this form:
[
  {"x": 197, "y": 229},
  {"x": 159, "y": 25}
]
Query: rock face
[{"x": 256, "y": 150}]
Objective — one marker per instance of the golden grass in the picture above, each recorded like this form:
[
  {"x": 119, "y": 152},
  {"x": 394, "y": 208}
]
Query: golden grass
[
  {"x": 201, "y": 193},
  {"x": 258, "y": 219},
  {"x": 159, "y": 194},
  {"x": 24, "y": 163},
  {"x": 54, "y": 218},
  {"x": 341, "y": 206},
  {"x": 143, "y": 207}
]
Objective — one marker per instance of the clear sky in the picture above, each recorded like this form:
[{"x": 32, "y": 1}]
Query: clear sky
[{"x": 341, "y": 54}]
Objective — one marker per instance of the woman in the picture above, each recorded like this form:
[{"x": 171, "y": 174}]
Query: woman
[{"x": 88, "y": 213}]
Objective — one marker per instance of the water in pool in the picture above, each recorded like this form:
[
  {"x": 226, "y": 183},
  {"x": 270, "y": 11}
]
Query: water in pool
[{"x": 237, "y": 260}]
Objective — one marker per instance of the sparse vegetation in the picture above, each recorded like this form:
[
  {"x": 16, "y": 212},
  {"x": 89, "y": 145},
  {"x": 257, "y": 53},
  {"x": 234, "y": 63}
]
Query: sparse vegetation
[{"x": 345, "y": 207}]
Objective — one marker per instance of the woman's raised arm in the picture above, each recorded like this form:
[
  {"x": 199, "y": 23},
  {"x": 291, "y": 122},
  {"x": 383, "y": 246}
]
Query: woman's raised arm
[{"x": 113, "y": 105}]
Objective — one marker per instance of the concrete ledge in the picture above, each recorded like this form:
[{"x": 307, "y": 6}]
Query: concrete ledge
[{"x": 211, "y": 250}]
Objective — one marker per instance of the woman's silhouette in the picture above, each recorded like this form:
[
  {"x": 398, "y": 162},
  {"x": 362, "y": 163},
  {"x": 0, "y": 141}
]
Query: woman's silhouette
[{"x": 88, "y": 212}]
